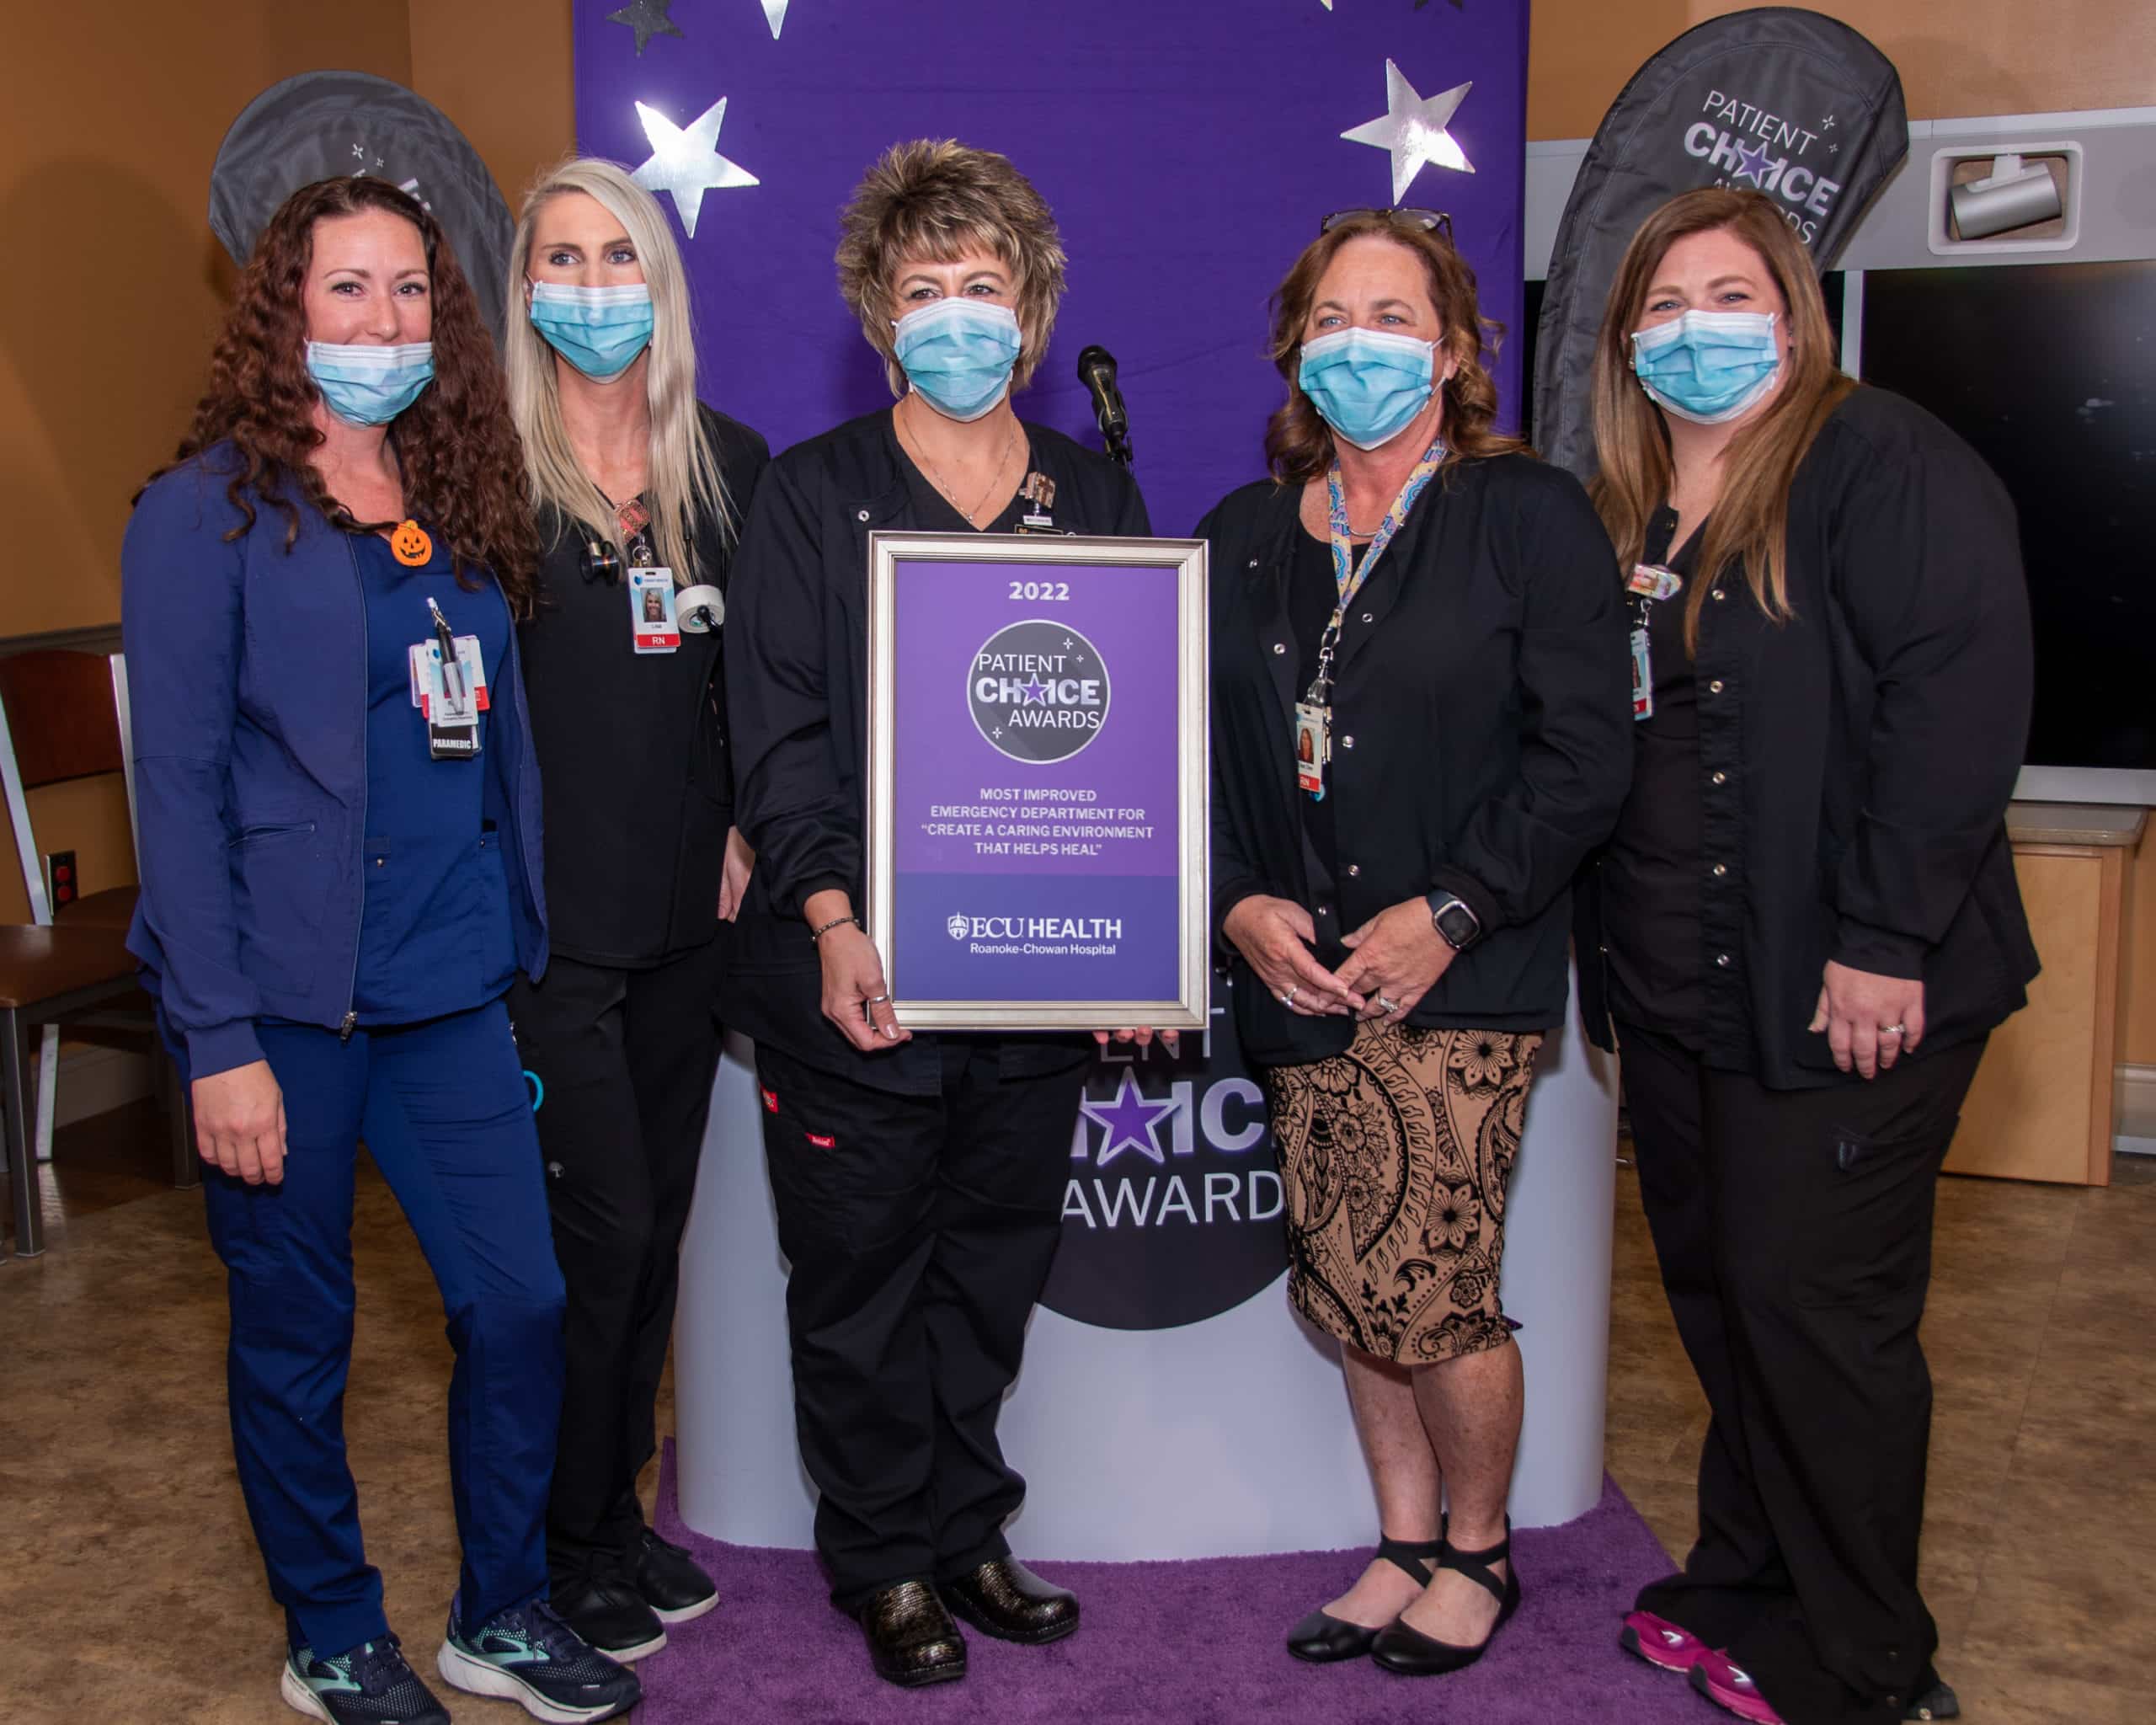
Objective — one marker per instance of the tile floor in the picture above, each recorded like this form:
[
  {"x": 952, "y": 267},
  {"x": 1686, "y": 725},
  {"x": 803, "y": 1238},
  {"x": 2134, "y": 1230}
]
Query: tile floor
[{"x": 130, "y": 1589}]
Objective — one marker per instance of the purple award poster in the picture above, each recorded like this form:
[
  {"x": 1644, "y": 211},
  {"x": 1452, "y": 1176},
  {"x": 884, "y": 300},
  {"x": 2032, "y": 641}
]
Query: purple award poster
[{"x": 1037, "y": 808}]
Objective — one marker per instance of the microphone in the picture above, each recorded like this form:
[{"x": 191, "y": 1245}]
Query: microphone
[{"x": 1096, "y": 371}]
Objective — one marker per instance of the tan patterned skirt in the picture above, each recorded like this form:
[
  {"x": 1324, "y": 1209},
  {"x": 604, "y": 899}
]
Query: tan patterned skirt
[{"x": 1395, "y": 1156}]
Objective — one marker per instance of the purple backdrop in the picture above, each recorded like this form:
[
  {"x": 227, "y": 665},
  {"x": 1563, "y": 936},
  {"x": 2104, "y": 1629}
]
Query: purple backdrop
[{"x": 1189, "y": 148}]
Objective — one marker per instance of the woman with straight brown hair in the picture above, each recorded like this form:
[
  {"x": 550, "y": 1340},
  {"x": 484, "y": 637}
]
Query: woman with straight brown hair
[
  {"x": 1418, "y": 664},
  {"x": 1803, "y": 929}
]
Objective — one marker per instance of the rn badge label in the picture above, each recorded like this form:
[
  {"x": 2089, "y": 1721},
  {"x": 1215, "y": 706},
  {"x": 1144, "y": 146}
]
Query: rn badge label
[{"x": 1038, "y": 691}]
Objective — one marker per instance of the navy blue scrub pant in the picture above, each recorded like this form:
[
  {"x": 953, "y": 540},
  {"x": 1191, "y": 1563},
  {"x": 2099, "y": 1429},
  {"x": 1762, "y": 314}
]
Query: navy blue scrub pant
[{"x": 443, "y": 1107}]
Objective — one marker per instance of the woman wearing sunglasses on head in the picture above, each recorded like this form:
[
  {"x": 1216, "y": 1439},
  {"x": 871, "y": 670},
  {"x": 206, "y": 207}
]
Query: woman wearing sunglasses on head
[
  {"x": 640, "y": 488},
  {"x": 1418, "y": 734},
  {"x": 1805, "y": 926}
]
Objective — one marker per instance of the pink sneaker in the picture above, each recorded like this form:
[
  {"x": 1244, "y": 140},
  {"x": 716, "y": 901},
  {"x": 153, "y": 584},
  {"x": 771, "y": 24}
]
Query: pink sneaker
[
  {"x": 1728, "y": 1686},
  {"x": 1660, "y": 1642}
]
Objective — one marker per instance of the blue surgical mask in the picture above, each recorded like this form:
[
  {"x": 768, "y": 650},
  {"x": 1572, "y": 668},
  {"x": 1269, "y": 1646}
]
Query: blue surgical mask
[
  {"x": 599, "y": 330},
  {"x": 957, "y": 354},
  {"x": 1368, "y": 384},
  {"x": 1708, "y": 366},
  {"x": 368, "y": 385}
]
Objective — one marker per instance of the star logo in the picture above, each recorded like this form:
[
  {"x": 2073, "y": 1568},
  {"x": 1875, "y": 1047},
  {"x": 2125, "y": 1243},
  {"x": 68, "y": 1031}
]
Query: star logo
[
  {"x": 1132, "y": 1123},
  {"x": 647, "y": 19},
  {"x": 1827, "y": 124},
  {"x": 1751, "y": 164},
  {"x": 1036, "y": 692},
  {"x": 685, "y": 160},
  {"x": 1412, "y": 130}
]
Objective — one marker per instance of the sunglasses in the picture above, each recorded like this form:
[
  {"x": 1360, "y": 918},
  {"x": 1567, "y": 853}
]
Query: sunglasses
[{"x": 1429, "y": 221}]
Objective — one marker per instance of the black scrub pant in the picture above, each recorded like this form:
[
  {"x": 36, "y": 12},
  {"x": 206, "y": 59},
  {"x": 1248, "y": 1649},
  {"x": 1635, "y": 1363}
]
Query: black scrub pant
[
  {"x": 919, "y": 1230},
  {"x": 626, "y": 1059},
  {"x": 1794, "y": 1228}
]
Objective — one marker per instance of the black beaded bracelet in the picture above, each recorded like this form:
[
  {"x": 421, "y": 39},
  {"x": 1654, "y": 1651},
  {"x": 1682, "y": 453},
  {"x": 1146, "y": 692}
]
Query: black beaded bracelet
[{"x": 817, "y": 934}]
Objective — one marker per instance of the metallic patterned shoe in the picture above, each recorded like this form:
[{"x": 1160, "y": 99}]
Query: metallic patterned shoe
[
  {"x": 911, "y": 1638},
  {"x": 1007, "y": 1601},
  {"x": 1660, "y": 1642},
  {"x": 1728, "y": 1685}
]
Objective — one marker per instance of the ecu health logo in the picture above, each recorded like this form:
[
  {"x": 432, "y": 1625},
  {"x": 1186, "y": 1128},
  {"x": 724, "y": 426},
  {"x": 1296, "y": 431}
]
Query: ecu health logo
[
  {"x": 955, "y": 927},
  {"x": 1037, "y": 690}
]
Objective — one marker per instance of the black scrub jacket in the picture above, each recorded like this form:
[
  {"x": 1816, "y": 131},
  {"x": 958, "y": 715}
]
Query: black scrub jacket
[
  {"x": 1481, "y": 736},
  {"x": 1856, "y": 761},
  {"x": 796, "y": 678}
]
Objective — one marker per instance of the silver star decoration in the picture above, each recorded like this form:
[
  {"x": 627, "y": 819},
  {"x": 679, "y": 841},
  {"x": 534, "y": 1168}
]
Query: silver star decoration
[
  {"x": 647, "y": 19},
  {"x": 685, "y": 160},
  {"x": 774, "y": 16},
  {"x": 1413, "y": 130}
]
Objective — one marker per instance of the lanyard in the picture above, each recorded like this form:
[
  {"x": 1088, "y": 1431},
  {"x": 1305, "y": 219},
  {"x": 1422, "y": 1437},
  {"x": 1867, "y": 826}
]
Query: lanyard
[{"x": 1348, "y": 580}]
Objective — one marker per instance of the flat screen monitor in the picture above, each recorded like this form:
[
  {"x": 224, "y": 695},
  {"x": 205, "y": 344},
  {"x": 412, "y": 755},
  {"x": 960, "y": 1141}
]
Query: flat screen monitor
[{"x": 2049, "y": 370}]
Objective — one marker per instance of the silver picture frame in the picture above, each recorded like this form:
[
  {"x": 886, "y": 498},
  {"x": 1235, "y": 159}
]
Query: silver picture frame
[{"x": 889, "y": 554}]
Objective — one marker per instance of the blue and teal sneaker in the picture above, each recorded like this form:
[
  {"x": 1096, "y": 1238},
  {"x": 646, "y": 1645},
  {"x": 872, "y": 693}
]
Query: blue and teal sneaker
[
  {"x": 369, "y": 1685},
  {"x": 529, "y": 1656}
]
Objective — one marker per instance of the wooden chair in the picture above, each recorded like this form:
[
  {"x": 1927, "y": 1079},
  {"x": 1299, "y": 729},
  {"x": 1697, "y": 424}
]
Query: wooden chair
[{"x": 63, "y": 716}]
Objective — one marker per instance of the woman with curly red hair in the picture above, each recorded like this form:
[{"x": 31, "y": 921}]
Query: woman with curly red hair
[{"x": 340, "y": 843}]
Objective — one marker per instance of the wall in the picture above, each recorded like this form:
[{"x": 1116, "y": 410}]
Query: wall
[
  {"x": 104, "y": 178},
  {"x": 1977, "y": 57}
]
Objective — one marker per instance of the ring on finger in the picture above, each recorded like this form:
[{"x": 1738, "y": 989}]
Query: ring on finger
[
  {"x": 879, "y": 1000},
  {"x": 1289, "y": 998},
  {"x": 1893, "y": 1030},
  {"x": 1388, "y": 1004}
]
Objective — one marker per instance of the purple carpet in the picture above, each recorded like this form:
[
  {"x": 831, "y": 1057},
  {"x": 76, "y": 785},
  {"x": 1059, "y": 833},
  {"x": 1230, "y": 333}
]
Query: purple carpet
[{"x": 1196, "y": 1642}]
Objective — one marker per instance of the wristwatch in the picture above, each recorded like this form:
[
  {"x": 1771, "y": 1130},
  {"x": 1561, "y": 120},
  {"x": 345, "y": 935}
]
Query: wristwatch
[{"x": 1451, "y": 916}]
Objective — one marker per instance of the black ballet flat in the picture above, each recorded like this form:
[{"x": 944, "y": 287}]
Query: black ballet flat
[
  {"x": 1409, "y": 1653},
  {"x": 1324, "y": 1639}
]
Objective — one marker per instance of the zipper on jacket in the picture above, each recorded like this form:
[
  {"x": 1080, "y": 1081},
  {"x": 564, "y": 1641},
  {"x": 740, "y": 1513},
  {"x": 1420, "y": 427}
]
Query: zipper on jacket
[{"x": 351, "y": 1020}]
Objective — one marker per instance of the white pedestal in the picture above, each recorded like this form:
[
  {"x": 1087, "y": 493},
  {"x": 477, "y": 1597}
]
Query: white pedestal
[{"x": 1223, "y": 1437}]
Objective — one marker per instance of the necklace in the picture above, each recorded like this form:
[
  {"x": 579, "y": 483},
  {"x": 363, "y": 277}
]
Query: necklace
[{"x": 943, "y": 485}]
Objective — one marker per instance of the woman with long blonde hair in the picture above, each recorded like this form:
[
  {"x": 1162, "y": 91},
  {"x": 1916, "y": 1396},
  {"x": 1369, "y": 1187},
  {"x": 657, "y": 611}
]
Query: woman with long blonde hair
[
  {"x": 1803, "y": 929},
  {"x": 639, "y": 489}
]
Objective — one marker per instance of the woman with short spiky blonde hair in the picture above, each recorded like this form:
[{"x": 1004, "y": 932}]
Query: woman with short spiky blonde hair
[
  {"x": 918, "y": 1179},
  {"x": 637, "y": 487},
  {"x": 938, "y": 199}
]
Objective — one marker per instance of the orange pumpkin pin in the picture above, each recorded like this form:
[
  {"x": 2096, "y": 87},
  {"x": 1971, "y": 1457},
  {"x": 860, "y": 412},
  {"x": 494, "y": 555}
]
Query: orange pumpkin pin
[{"x": 411, "y": 545}]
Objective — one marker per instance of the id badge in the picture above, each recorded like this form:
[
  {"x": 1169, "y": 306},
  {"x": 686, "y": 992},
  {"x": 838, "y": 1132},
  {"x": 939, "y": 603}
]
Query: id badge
[
  {"x": 449, "y": 703},
  {"x": 1642, "y": 676},
  {"x": 1313, "y": 746},
  {"x": 652, "y": 626},
  {"x": 1653, "y": 583},
  {"x": 423, "y": 659}
]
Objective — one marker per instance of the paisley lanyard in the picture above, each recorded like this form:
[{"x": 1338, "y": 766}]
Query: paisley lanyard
[{"x": 1346, "y": 579}]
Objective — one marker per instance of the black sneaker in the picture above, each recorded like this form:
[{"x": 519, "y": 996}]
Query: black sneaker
[
  {"x": 611, "y": 1615},
  {"x": 672, "y": 1582},
  {"x": 529, "y": 1656},
  {"x": 369, "y": 1685}
]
